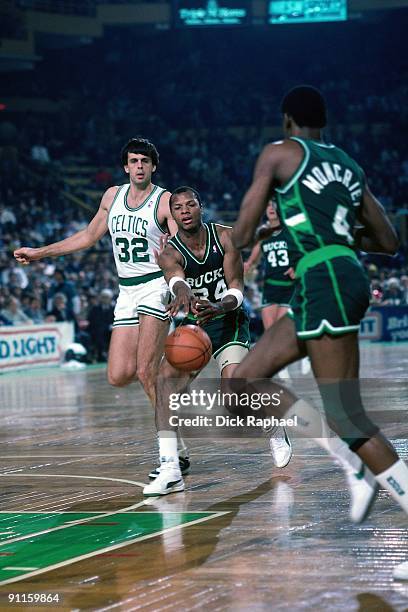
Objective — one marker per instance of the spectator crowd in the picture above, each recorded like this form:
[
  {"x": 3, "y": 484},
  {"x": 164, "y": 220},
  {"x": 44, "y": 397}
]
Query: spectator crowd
[{"x": 209, "y": 119}]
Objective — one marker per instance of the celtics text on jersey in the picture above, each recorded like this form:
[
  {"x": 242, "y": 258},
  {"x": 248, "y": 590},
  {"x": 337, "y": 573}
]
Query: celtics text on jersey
[{"x": 135, "y": 235}]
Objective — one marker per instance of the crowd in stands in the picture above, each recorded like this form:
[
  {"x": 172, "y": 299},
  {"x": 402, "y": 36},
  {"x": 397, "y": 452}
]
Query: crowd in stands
[{"x": 209, "y": 120}]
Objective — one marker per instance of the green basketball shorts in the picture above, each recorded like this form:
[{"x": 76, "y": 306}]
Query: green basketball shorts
[
  {"x": 229, "y": 335},
  {"x": 277, "y": 292},
  {"x": 330, "y": 297}
]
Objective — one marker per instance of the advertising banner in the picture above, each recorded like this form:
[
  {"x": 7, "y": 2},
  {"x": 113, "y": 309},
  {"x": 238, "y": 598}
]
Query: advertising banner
[
  {"x": 34, "y": 345},
  {"x": 385, "y": 323}
]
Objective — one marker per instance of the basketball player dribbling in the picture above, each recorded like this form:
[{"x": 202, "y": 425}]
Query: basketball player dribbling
[
  {"x": 205, "y": 276},
  {"x": 322, "y": 195},
  {"x": 137, "y": 216}
]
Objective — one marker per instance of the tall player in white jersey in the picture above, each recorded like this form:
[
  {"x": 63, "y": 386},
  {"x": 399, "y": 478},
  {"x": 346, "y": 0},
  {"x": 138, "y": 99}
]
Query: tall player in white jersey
[{"x": 137, "y": 214}]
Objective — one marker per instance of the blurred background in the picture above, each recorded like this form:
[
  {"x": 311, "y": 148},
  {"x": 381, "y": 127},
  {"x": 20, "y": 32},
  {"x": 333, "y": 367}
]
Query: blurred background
[{"x": 203, "y": 80}]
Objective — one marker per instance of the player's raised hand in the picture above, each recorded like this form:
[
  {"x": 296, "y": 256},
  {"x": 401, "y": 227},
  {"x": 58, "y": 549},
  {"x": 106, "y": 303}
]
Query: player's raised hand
[
  {"x": 25, "y": 255},
  {"x": 159, "y": 251}
]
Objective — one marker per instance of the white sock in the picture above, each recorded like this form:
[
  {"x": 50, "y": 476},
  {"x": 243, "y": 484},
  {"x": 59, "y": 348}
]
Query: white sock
[
  {"x": 312, "y": 424},
  {"x": 167, "y": 446},
  {"x": 395, "y": 480},
  {"x": 181, "y": 445}
]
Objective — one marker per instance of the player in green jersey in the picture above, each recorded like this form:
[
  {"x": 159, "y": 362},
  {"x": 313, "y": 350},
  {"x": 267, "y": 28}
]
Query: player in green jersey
[
  {"x": 322, "y": 196},
  {"x": 271, "y": 246},
  {"x": 205, "y": 273}
]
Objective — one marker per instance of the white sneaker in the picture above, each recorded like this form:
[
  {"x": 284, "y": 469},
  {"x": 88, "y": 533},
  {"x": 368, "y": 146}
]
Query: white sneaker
[
  {"x": 363, "y": 490},
  {"x": 281, "y": 447},
  {"x": 362, "y": 485},
  {"x": 168, "y": 481},
  {"x": 184, "y": 463},
  {"x": 400, "y": 571}
]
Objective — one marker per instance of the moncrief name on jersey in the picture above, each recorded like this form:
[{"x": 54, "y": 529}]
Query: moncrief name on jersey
[
  {"x": 129, "y": 223},
  {"x": 206, "y": 278},
  {"x": 324, "y": 173}
]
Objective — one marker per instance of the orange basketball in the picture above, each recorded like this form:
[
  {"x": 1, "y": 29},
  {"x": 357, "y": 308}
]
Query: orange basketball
[{"x": 188, "y": 348}]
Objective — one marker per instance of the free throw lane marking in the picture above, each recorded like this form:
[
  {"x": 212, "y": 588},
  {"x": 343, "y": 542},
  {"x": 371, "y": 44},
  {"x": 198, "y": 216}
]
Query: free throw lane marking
[
  {"x": 46, "y": 547},
  {"x": 70, "y": 524}
]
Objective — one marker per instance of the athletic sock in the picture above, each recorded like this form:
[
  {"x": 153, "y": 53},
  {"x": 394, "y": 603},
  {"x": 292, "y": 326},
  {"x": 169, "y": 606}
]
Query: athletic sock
[
  {"x": 395, "y": 481},
  {"x": 181, "y": 445},
  {"x": 309, "y": 421},
  {"x": 167, "y": 446},
  {"x": 311, "y": 424}
]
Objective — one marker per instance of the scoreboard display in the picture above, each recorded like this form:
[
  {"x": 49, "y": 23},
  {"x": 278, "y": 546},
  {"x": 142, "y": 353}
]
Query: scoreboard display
[
  {"x": 306, "y": 11},
  {"x": 196, "y": 13}
]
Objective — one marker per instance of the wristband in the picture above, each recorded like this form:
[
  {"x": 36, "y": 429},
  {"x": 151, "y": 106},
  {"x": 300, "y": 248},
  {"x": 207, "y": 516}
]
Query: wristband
[
  {"x": 237, "y": 295},
  {"x": 174, "y": 280}
]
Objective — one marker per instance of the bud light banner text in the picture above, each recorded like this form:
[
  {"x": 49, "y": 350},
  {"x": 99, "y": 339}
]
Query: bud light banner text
[{"x": 34, "y": 345}]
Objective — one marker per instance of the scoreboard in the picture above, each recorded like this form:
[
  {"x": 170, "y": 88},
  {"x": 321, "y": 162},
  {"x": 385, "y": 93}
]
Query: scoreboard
[
  {"x": 306, "y": 11},
  {"x": 196, "y": 13}
]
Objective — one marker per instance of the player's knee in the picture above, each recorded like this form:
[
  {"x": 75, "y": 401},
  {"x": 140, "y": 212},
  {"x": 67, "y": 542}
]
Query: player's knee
[
  {"x": 120, "y": 379},
  {"x": 346, "y": 414}
]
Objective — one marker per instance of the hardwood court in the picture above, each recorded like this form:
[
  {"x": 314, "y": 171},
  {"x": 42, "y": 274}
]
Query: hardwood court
[{"x": 74, "y": 454}]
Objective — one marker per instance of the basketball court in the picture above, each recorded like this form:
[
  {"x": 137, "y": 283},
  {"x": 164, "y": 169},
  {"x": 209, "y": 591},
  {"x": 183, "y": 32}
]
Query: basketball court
[{"x": 75, "y": 454}]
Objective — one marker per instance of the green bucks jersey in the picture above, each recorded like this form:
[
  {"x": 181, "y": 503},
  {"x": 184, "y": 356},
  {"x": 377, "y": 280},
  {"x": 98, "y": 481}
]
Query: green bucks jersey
[
  {"x": 206, "y": 276},
  {"x": 319, "y": 203},
  {"x": 276, "y": 255}
]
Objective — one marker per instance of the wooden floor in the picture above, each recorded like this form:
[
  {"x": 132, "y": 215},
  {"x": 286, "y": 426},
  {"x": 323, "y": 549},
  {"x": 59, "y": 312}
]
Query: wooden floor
[{"x": 74, "y": 454}]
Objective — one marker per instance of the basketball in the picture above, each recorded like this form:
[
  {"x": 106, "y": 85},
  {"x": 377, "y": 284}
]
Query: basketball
[{"x": 188, "y": 348}]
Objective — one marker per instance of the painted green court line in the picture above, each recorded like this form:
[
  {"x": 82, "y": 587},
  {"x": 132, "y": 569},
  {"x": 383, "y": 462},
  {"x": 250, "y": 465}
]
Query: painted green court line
[{"x": 45, "y": 551}]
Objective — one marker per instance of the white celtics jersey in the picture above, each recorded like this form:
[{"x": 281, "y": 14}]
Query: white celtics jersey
[{"x": 135, "y": 234}]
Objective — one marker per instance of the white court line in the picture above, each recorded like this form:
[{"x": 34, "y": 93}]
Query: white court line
[
  {"x": 11, "y": 568},
  {"x": 109, "y": 548},
  {"x": 96, "y": 513},
  {"x": 132, "y": 482},
  {"x": 199, "y": 454}
]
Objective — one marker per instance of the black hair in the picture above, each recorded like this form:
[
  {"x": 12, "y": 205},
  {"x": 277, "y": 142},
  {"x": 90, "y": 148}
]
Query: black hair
[
  {"x": 306, "y": 106},
  {"x": 140, "y": 145},
  {"x": 184, "y": 189}
]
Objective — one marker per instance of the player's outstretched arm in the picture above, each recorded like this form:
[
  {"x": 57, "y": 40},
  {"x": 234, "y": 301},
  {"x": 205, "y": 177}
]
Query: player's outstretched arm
[
  {"x": 78, "y": 241},
  {"x": 256, "y": 198},
  {"x": 171, "y": 262},
  {"x": 377, "y": 234}
]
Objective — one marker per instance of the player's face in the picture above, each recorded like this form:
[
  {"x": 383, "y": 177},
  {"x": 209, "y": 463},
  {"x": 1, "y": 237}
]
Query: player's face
[
  {"x": 271, "y": 214},
  {"x": 140, "y": 169},
  {"x": 186, "y": 211}
]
